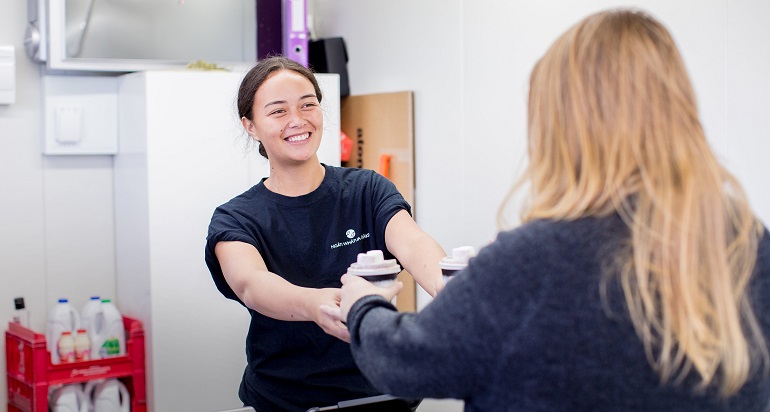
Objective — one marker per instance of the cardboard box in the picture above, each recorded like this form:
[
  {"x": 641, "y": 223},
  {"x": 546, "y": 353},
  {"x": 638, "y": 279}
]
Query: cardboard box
[{"x": 382, "y": 129}]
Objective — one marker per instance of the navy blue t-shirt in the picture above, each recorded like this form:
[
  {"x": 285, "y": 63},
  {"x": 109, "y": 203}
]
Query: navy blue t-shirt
[{"x": 310, "y": 241}]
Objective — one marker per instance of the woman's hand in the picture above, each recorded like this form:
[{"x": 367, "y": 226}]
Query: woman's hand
[
  {"x": 355, "y": 287},
  {"x": 327, "y": 314}
]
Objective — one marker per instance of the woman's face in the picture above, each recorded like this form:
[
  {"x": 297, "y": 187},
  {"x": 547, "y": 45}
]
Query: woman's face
[{"x": 287, "y": 118}]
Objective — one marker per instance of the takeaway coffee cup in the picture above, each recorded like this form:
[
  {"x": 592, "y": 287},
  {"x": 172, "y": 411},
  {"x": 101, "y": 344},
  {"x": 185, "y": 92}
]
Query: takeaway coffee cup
[
  {"x": 373, "y": 267},
  {"x": 450, "y": 265}
]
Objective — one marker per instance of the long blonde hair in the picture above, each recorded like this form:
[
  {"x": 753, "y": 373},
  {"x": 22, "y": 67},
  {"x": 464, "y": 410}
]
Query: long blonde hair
[{"x": 613, "y": 128}]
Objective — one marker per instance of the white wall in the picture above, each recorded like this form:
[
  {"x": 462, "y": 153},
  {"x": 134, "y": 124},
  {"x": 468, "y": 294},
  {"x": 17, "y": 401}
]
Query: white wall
[
  {"x": 747, "y": 100},
  {"x": 467, "y": 62},
  {"x": 56, "y": 214}
]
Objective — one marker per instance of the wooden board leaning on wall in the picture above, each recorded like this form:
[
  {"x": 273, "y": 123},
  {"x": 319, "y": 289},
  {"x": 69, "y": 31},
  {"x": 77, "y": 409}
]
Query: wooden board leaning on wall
[{"x": 381, "y": 127}]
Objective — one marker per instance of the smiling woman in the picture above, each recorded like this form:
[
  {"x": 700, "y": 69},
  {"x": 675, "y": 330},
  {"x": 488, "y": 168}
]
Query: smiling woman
[
  {"x": 284, "y": 116},
  {"x": 280, "y": 248}
]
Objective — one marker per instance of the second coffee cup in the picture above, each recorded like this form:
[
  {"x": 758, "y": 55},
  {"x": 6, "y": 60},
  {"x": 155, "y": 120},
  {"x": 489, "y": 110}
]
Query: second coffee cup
[{"x": 450, "y": 265}]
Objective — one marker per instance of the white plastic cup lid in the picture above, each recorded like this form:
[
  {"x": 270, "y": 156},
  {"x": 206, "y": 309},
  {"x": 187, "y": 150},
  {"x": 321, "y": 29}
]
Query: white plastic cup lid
[
  {"x": 373, "y": 263},
  {"x": 459, "y": 259}
]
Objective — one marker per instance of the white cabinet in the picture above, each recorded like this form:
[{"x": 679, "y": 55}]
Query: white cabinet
[{"x": 181, "y": 154}]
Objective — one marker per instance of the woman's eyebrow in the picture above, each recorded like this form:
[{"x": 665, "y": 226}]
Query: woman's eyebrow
[
  {"x": 307, "y": 96},
  {"x": 276, "y": 102}
]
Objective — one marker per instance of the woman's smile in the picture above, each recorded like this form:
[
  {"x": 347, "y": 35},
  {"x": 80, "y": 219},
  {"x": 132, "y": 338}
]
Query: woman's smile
[{"x": 298, "y": 137}]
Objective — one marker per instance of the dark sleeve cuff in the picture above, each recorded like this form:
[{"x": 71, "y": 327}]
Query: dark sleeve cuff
[{"x": 359, "y": 310}]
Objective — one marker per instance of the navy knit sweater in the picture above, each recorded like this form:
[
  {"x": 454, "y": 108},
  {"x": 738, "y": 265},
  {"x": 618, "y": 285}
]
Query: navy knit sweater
[{"x": 524, "y": 328}]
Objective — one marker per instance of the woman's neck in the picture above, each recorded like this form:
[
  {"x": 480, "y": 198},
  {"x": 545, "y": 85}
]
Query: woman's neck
[{"x": 297, "y": 180}]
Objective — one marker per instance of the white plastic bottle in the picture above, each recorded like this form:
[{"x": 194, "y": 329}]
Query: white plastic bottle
[
  {"x": 69, "y": 398},
  {"x": 111, "y": 395},
  {"x": 65, "y": 347},
  {"x": 89, "y": 311},
  {"x": 109, "y": 336},
  {"x": 62, "y": 317},
  {"x": 88, "y": 391},
  {"x": 82, "y": 346}
]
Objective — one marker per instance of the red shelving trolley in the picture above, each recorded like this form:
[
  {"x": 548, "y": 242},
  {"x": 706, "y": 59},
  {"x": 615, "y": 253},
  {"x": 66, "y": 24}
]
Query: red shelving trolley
[{"x": 30, "y": 372}]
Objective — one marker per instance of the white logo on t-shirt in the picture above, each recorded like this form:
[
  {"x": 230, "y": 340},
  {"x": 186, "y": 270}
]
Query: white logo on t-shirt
[{"x": 351, "y": 234}]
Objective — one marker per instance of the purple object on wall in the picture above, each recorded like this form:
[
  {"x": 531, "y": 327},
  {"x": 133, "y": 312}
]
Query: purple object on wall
[
  {"x": 282, "y": 29},
  {"x": 295, "y": 30},
  {"x": 269, "y": 28}
]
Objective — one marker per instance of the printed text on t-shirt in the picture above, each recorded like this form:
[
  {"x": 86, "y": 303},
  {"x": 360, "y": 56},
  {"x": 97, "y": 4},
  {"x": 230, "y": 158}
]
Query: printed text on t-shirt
[{"x": 351, "y": 241}]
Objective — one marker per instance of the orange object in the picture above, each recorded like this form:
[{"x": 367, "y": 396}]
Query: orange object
[
  {"x": 346, "y": 147},
  {"x": 385, "y": 165}
]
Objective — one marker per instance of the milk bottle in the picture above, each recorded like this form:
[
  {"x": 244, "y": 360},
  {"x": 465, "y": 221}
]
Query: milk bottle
[
  {"x": 108, "y": 336},
  {"x": 65, "y": 347},
  {"x": 109, "y": 395},
  {"x": 89, "y": 311},
  {"x": 69, "y": 398},
  {"x": 62, "y": 317},
  {"x": 82, "y": 346}
]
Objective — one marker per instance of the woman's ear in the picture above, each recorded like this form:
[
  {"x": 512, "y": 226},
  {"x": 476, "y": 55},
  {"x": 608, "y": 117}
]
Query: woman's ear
[{"x": 250, "y": 128}]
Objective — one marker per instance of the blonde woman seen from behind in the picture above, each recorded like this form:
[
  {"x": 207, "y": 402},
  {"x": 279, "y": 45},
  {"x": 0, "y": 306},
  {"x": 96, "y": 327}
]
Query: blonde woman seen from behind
[
  {"x": 640, "y": 278},
  {"x": 624, "y": 137}
]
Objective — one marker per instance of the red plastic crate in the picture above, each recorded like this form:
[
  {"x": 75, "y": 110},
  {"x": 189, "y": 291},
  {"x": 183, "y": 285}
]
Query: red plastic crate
[{"x": 30, "y": 372}]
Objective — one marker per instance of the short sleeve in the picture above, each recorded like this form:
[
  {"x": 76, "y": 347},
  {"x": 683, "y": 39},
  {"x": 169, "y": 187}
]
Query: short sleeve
[
  {"x": 388, "y": 201},
  {"x": 224, "y": 227}
]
